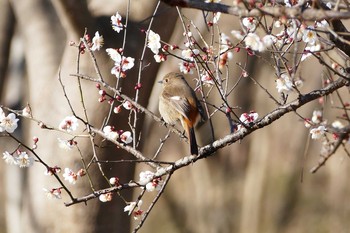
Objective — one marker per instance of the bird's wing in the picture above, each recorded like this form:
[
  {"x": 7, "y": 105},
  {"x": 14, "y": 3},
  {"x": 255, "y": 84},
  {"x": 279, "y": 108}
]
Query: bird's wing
[{"x": 179, "y": 103}]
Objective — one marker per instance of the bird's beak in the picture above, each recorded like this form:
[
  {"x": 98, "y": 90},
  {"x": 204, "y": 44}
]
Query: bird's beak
[{"x": 161, "y": 81}]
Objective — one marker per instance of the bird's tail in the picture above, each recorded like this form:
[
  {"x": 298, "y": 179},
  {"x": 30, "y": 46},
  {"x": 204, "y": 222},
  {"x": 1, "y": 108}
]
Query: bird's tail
[{"x": 193, "y": 141}]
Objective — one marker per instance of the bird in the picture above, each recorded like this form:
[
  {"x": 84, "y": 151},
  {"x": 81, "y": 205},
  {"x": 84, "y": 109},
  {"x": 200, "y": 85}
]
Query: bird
[{"x": 178, "y": 102}]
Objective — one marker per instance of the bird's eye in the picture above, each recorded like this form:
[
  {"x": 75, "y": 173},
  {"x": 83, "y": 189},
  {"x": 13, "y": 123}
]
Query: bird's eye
[{"x": 166, "y": 80}]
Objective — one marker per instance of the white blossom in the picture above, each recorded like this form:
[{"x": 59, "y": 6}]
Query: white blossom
[
  {"x": 153, "y": 42},
  {"x": 116, "y": 21},
  {"x": 9, "y": 159},
  {"x": 70, "y": 176},
  {"x": 284, "y": 84},
  {"x": 97, "y": 42},
  {"x": 317, "y": 133},
  {"x": 23, "y": 160},
  {"x": 69, "y": 124},
  {"x": 8, "y": 123}
]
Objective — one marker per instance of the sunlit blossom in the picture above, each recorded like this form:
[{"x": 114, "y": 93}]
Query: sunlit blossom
[
  {"x": 309, "y": 35},
  {"x": 309, "y": 50},
  {"x": 52, "y": 170},
  {"x": 253, "y": 42},
  {"x": 216, "y": 17},
  {"x": 317, "y": 133},
  {"x": 153, "y": 42},
  {"x": 97, "y": 42},
  {"x": 114, "y": 180},
  {"x": 126, "y": 137},
  {"x": 317, "y": 116},
  {"x": 110, "y": 132},
  {"x": 24, "y": 160},
  {"x": 207, "y": 79},
  {"x": 250, "y": 23},
  {"x": 116, "y": 21},
  {"x": 70, "y": 176},
  {"x": 247, "y": 118},
  {"x": 337, "y": 125},
  {"x": 160, "y": 57},
  {"x": 237, "y": 34},
  {"x": 186, "y": 67},
  {"x": 127, "y": 105},
  {"x": 188, "y": 54},
  {"x": 53, "y": 193},
  {"x": 105, "y": 197},
  {"x": 66, "y": 144},
  {"x": 268, "y": 40},
  {"x": 69, "y": 124},
  {"x": 121, "y": 63},
  {"x": 134, "y": 208},
  {"x": 8, "y": 123},
  {"x": 284, "y": 84},
  {"x": 9, "y": 159},
  {"x": 150, "y": 184}
]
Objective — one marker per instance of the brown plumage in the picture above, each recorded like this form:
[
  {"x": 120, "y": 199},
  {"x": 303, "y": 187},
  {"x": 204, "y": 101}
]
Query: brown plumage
[{"x": 178, "y": 102}]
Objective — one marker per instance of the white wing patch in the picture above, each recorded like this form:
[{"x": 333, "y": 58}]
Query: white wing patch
[{"x": 176, "y": 97}]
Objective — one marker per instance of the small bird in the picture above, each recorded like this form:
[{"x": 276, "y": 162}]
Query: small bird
[{"x": 178, "y": 102}]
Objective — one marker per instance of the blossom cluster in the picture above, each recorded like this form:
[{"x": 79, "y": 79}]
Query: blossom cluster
[
  {"x": 20, "y": 158},
  {"x": 118, "y": 135},
  {"x": 8, "y": 123},
  {"x": 151, "y": 184}
]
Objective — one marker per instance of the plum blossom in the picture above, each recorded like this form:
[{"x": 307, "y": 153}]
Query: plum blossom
[
  {"x": 268, "y": 40},
  {"x": 188, "y": 54},
  {"x": 9, "y": 159},
  {"x": 207, "y": 79},
  {"x": 53, "y": 193},
  {"x": 307, "y": 123},
  {"x": 216, "y": 17},
  {"x": 317, "y": 133},
  {"x": 116, "y": 21},
  {"x": 69, "y": 124},
  {"x": 105, "y": 197},
  {"x": 309, "y": 50},
  {"x": 52, "y": 170},
  {"x": 250, "y": 23},
  {"x": 70, "y": 176},
  {"x": 134, "y": 208},
  {"x": 284, "y": 84},
  {"x": 121, "y": 63},
  {"x": 186, "y": 67},
  {"x": 247, "y": 118},
  {"x": 317, "y": 116},
  {"x": 127, "y": 105},
  {"x": 126, "y": 137},
  {"x": 153, "y": 42},
  {"x": 23, "y": 160},
  {"x": 110, "y": 132},
  {"x": 160, "y": 58},
  {"x": 66, "y": 144},
  {"x": 8, "y": 123},
  {"x": 337, "y": 125},
  {"x": 97, "y": 42},
  {"x": 253, "y": 42},
  {"x": 309, "y": 35},
  {"x": 237, "y": 34},
  {"x": 225, "y": 54},
  {"x": 150, "y": 184},
  {"x": 114, "y": 181}
]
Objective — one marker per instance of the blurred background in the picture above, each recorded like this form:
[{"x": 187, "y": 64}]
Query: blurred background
[{"x": 260, "y": 184}]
